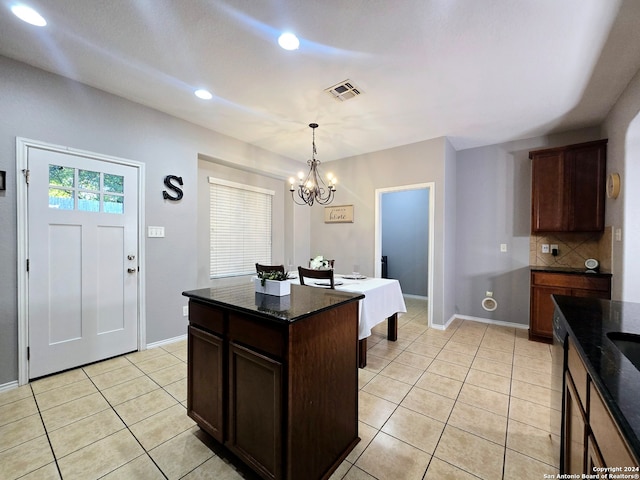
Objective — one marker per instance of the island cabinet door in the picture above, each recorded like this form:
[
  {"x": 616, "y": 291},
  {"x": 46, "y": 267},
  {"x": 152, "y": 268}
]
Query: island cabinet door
[
  {"x": 255, "y": 410},
  {"x": 574, "y": 431},
  {"x": 594, "y": 458},
  {"x": 205, "y": 397}
]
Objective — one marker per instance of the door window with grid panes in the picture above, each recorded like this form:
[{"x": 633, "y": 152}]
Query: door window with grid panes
[{"x": 85, "y": 190}]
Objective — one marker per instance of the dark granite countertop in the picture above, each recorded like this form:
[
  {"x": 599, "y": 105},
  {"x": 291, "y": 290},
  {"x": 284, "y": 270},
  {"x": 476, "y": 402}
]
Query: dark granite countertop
[
  {"x": 588, "y": 320},
  {"x": 302, "y": 302},
  {"x": 574, "y": 271}
]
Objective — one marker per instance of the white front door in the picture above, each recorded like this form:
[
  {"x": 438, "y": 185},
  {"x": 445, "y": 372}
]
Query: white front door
[{"x": 83, "y": 260}]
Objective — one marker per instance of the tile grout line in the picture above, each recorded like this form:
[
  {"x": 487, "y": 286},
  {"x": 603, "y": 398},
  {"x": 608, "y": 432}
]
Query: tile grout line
[
  {"x": 127, "y": 426},
  {"x": 353, "y": 465},
  {"x": 46, "y": 432},
  {"x": 454, "y": 405},
  {"x": 506, "y": 432},
  {"x": 449, "y": 416},
  {"x": 112, "y": 407}
]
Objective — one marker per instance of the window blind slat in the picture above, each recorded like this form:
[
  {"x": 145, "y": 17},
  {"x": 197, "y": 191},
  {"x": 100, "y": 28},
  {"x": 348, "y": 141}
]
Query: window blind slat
[{"x": 240, "y": 229}]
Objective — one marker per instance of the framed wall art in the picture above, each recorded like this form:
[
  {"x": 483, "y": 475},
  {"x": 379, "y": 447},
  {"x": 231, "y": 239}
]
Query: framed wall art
[{"x": 338, "y": 214}]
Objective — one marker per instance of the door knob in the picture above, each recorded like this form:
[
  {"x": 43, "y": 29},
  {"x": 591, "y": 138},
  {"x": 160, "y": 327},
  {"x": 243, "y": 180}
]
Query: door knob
[{"x": 131, "y": 270}]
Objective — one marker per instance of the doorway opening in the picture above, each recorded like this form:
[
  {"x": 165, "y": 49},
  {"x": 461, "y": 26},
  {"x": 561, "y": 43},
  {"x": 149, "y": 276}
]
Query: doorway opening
[{"x": 405, "y": 237}]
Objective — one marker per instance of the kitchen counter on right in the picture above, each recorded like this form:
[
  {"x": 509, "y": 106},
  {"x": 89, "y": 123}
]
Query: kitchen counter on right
[
  {"x": 588, "y": 323},
  {"x": 569, "y": 270}
]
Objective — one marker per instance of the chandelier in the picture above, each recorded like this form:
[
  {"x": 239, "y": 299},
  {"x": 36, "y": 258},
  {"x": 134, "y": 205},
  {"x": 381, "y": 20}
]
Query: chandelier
[{"x": 312, "y": 188}]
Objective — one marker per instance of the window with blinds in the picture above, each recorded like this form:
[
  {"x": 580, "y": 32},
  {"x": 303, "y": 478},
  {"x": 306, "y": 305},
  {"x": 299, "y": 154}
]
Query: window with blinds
[{"x": 240, "y": 227}]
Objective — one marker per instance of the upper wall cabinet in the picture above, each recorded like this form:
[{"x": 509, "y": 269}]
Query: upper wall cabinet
[{"x": 568, "y": 188}]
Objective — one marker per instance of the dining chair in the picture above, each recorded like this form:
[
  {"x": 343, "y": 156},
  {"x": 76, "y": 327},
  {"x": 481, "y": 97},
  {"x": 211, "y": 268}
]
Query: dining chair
[
  {"x": 269, "y": 268},
  {"x": 317, "y": 274}
]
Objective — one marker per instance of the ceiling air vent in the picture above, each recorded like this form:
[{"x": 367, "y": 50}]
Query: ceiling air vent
[{"x": 344, "y": 90}]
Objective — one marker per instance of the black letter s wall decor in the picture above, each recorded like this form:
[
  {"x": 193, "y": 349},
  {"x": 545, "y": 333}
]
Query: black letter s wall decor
[{"x": 171, "y": 186}]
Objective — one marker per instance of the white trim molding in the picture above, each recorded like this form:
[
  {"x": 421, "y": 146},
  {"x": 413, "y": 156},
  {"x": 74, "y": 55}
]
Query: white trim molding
[
  {"x": 377, "y": 254},
  {"x": 22, "y": 156},
  {"x": 168, "y": 341},
  {"x": 500, "y": 323},
  {"x": 8, "y": 386}
]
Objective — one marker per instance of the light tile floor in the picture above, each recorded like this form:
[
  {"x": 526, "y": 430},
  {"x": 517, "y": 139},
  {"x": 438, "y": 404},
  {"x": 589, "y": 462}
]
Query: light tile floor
[{"x": 473, "y": 401}]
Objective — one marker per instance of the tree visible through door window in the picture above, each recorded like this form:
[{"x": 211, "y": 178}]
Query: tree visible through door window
[{"x": 85, "y": 190}]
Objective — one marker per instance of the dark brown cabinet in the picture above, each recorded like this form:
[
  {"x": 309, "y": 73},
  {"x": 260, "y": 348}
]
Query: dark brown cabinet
[
  {"x": 592, "y": 438},
  {"x": 545, "y": 284},
  {"x": 568, "y": 188},
  {"x": 255, "y": 409},
  {"x": 281, "y": 395},
  {"x": 205, "y": 402}
]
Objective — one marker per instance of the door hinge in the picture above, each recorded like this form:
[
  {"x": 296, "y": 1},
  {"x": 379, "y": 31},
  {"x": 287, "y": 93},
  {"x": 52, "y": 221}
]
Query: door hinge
[
  {"x": 28, "y": 353},
  {"x": 27, "y": 264},
  {"x": 26, "y": 173}
]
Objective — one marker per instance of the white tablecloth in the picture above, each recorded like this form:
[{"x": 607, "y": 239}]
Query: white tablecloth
[{"x": 382, "y": 298}]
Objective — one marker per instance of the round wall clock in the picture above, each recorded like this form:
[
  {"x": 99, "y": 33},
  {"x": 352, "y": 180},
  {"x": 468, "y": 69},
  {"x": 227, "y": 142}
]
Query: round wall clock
[{"x": 613, "y": 185}]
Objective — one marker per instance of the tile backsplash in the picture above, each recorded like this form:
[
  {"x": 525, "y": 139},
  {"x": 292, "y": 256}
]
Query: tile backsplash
[{"x": 573, "y": 249}]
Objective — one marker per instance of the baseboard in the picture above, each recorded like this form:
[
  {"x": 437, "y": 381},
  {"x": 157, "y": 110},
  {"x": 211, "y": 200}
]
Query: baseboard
[
  {"x": 418, "y": 297},
  {"x": 489, "y": 320},
  {"x": 445, "y": 326},
  {"x": 168, "y": 341},
  {"x": 8, "y": 386},
  {"x": 14, "y": 384}
]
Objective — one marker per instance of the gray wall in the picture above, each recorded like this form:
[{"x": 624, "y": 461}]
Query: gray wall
[
  {"x": 481, "y": 199},
  {"x": 623, "y": 156},
  {"x": 49, "y": 108},
  {"x": 405, "y": 238},
  {"x": 360, "y": 176},
  {"x": 494, "y": 207}
]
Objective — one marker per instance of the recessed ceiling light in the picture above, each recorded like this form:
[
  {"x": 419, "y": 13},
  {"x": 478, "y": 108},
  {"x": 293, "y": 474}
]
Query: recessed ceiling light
[
  {"x": 29, "y": 15},
  {"x": 203, "y": 94},
  {"x": 288, "y": 41}
]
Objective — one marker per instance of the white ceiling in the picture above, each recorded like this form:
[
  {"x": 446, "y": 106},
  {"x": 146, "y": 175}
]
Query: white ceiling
[{"x": 477, "y": 71}]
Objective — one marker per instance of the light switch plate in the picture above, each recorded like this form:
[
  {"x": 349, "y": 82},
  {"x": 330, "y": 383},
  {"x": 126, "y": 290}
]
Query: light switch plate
[
  {"x": 503, "y": 247},
  {"x": 155, "y": 232}
]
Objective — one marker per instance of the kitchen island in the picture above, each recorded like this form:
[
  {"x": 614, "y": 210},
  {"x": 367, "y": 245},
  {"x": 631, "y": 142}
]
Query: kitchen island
[
  {"x": 275, "y": 379},
  {"x": 601, "y": 412}
]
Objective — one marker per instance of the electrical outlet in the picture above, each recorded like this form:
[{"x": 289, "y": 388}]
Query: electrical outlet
[
  {"x": 503, "y": 247},
  {"x": 618, "y": 234},
  {"x": 185, "y": 311},
  {"x": 488, "y": 294},
  {"x": 545, "y": 248},
  {"x": 155, "y": 232}
]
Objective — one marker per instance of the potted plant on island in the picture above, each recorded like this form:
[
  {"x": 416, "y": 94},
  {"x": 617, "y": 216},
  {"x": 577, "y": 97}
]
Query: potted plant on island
[{"x": 273, "y": 283}]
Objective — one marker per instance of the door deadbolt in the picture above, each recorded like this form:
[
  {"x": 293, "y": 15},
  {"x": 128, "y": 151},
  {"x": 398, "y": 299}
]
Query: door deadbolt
[
  {"x": 131, "y": 257},
  {"x": 131, "y": 270}
]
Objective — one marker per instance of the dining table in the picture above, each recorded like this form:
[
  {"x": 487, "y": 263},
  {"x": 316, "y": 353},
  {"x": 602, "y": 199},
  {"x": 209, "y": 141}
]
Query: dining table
[{"x": 382, "y": 301}]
